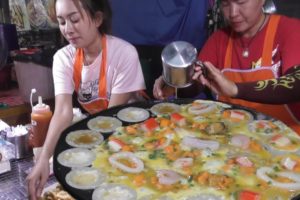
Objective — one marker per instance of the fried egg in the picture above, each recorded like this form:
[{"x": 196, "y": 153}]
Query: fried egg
[
  {"x": 165, "y": 108},
  {"x": 104, "y": 124},
  {"x": 114, "y": 192},
  {"x": 85, "y": 178},
  {"x": 133, "y": 114},
  {"x": 84, "y": 138},
  {"x": 76, "y": 157}
]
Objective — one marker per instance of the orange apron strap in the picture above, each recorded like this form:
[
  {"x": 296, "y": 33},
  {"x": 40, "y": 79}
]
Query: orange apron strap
[
  {"x": 77, "y": 68},
  {"x": 269, "y": 40},
  {"x": 102, "y": 103},
  {"x": 228, "y": 55},
  {"x": 102, "y": 79}
]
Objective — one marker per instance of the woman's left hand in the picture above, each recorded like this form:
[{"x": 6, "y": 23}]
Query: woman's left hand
[{"x": 215, "y": 80}]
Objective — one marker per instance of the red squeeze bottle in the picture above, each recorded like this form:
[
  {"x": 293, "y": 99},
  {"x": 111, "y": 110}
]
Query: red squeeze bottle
[{"x": 40, "y": 118}]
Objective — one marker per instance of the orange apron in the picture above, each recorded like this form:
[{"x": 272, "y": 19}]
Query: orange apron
[
  {"x": 280, "y": 112},
  {"x": 101, "y": 102}
]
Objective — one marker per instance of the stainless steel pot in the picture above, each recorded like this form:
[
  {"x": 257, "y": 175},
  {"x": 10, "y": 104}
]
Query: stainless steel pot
[{"x": 178, "y": 59}]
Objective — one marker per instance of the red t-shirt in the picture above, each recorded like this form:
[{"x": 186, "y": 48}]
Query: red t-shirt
[{"x": 286, "y": 47}]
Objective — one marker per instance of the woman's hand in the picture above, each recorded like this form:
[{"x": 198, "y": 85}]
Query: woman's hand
[
  {"x": 38, "y": 178},
  {"x": 157, "y": 88},
  {"x": 161, "y": 90},
  {"x": 215, "y": 80}
]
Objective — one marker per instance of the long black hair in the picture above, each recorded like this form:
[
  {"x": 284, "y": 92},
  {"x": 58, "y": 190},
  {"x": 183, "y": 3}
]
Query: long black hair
[{"x": 91, "y": 7}]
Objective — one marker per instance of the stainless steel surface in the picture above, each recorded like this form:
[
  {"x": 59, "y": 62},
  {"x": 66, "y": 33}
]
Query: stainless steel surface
[
  {"x": 22, "y": 149},
  {"x": 13, "y": 184},
  {"x": 269, "y": 7},
  {"x": 178, "y": 60}
]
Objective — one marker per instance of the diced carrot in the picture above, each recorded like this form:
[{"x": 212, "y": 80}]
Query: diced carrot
[
  {"x": 149, "y": 146},
  {"x": 226, "y": 182},
  {"x": 164, "y": 122},
  {"x": 166, "y": 130},
  {"x": 227, "y": 167},
  {"x": 169, "y": 149},
  {"x": 150, "y": 124},
  {"x": 231, "y": 161},
  {"x": 248, "y": 170},
  {"x": 154, "y": 180},
  {"x": 148, "y": 134},
  {"x": 172, "y": 125},
  {"x": 161, "y": 141},
  {"x": 296, "y": 168},
  {"x": 255, "y": 146},
  {"x": 188, "y": 170},
  {"x": 139, "y": 180},
  {"x": 226, "y": 114},
  {"x": 203, "y": 178},
  {"x": 196, "y": 153},
  {"x": 248, "y": 195},
  {"x": 131, "y": 130},
  {"x": 272, "y": 125},
  {"x": 203, "y": 125},
  {"x": 195, "y": 125},
  {"x": 126, "y": 148},
  {"x": 173, "y": 156}
]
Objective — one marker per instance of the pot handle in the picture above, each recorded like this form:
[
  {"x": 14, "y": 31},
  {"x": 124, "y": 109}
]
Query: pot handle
[{"x": 202, "y": 66}]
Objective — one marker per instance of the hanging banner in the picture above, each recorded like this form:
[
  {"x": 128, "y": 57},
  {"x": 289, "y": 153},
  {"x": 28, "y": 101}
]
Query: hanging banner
[
  {"x": 19, "y": 15},
  {"x": 38, "y": 14}
]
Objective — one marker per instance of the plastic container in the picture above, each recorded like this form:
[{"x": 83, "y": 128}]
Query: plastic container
[
  {"x": 22, "y": 148},
  {"x": 40, "y": 119}
]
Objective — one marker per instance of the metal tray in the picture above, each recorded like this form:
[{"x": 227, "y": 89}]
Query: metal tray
[{"x": 61, "y": 171}]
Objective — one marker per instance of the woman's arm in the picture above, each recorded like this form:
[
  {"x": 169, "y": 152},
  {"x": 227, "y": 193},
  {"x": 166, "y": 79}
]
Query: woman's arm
[
  {"x": 282, "y": 90},
  {"x": 285, "y": 89},
  {"x": 61, "y": 119},
  {"x": 118, "y": 99}
]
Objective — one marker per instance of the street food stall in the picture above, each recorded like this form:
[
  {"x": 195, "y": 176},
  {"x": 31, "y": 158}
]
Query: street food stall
[
  {"x": 185, "y": 149},
  {"x": 179, "y": 149}
]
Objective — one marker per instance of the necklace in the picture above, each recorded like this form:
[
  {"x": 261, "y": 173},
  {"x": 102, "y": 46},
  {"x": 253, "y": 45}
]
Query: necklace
[
  {"x": 245, "y": 52},
  {"x": 86, "y": 59}
]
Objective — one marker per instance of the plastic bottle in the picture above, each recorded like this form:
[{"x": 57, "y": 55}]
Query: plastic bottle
[{"x": 40, "y": 119}]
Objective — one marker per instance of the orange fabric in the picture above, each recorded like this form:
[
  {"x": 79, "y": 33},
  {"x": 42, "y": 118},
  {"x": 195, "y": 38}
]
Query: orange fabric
[
  {"x": 280, "y": 112},
  {"x": 101, "y": 103},
  {"x": 268, "y": 44},
  {"x": 228, "y": 55}
]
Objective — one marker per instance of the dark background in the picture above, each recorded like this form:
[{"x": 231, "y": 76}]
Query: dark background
[{"x": 288, "y": 7}]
